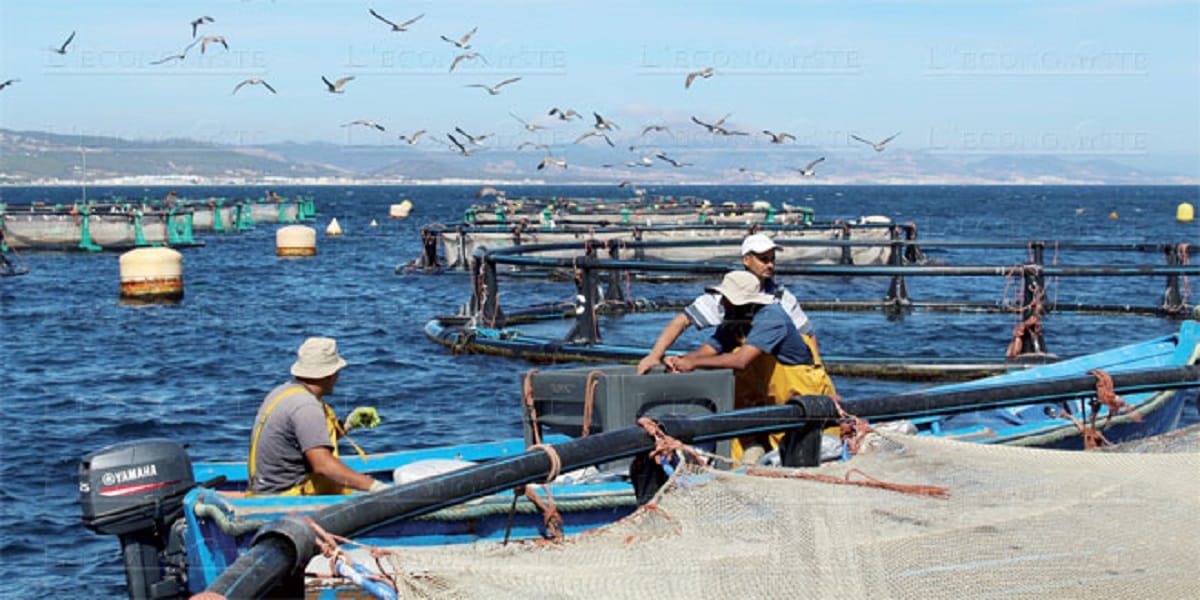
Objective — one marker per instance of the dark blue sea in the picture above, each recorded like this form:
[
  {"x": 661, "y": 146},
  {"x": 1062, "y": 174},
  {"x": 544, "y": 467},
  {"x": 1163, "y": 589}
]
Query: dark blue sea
[{"x": 82, "y": 371}]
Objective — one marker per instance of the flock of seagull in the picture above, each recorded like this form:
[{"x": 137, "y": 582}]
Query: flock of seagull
[{"x": 600, "y": 129}]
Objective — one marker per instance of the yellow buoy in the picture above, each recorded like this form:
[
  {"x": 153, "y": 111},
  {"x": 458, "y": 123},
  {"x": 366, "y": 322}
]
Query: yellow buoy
[
  {"x": 400, "y": 211},
  {"x": 334, "y": 229},
  {"x": 1113, "y": 215},
  {"x": 1185, "y": 212},
  {"x": 296, "y": 240},
  {"x": 150, "y": 275}
]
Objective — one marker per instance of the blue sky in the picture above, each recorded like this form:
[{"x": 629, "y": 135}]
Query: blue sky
[{"x": 1106, "y": 79}]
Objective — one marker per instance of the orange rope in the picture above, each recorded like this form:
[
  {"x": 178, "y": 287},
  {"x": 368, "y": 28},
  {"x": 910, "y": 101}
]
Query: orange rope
[
  {"x": 331, "y": 549},
  {"x": 852, "y": 428},
  {"x": 555, "y": 460},
  {"x": 934, "y": 491},
  {"x": 589, "y": 399},
  {"x": 1105, "y": 396},
  {"x": 550, "y": 515},
  {"x": 665, "y": 445}
]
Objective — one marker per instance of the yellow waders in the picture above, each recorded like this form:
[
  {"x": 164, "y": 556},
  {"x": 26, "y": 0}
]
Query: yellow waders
[
  {"x": 766, "y": 381},
  {"x": 313, "y": 484}
]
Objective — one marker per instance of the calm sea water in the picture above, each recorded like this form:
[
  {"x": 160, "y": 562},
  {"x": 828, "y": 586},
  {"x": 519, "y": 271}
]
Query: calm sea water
[{"x": 82, "y": 371}]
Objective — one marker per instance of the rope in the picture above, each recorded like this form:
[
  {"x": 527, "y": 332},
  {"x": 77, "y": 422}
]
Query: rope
[
  {"x": 330, "y": 546},
  {"x": 589, "y": 398},
  {"x": 665, "y": 445},
  {"x": 1105, "y": 396},
  {"x": 555, "y": 460},
  {"x": 550, "y": 516},
  {"x": 852, "y": 429},
  {"x": 1031, "y": 325},
  {"x": 531, "y": 408},
  {"x": 933, "y": 491}
]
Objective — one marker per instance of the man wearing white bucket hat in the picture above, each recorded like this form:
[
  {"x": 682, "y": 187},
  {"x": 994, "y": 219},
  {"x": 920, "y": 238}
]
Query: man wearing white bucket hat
[
  {"x": 771, "y": 359},
  {"x": 294, "y": 444},
  {"x": 758, "y": 257}
]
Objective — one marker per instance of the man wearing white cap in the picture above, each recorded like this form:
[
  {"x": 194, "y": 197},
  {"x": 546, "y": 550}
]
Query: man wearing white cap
[
  {"x": 771, "y": 359},
  {"x": 293, "y": 447},
  {"x": 758, "y": 256}
]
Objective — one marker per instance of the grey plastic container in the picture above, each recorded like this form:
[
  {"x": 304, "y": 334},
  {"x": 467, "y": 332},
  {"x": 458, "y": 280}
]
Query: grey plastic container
[{"x": 622, "y": 396}]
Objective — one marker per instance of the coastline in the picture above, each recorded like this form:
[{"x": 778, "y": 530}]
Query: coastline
[{"x": 169, "y": 181}]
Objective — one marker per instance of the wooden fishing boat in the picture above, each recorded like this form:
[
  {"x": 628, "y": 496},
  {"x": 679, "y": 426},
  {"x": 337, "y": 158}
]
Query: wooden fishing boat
[{"x": 180, "y": 537}]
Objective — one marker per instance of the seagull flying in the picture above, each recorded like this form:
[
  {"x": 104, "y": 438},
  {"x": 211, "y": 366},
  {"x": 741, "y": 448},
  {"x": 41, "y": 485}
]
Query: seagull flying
[
  {"x": 63, "y": 48},
  {"x": 364, "y": 123},
  {"x": 674, "y": 163},
  {"x": 564, "y": 115},
  {"x": 180, "y": 56},
  {"x": 335, "y": 87},
  {"x": 807, "y": 171},
  {"x": 476, "y": 140},
  {"x": 463, "y": 42},
  {"x": 602, "y": 124},
  {"x": 649, "y": 128},
  {"x": 781, "y": 137},
  {"x": 495, "y": 89},
  {"x": 704, "y": 73},
  {"x": 402, "y": 26},
  {"x": 522, "y": 145},
  {"x": 252, "y": 81},
  {"x": 717, "y": 128},
  {"x": 593, "y": 133},
  {"x": 8, "y": 83},
  {"x": 550, "y": 160},
  {"x": 877, "y": 146},
  {"x": 212, "y": 39},
  {"x": 467, "y": 56},
  {"x": 198, "y": 22},
  {"x": 412, "y": 139},
  {"x": 458, "y": 145},
  {"x": 530, "y": 127}
]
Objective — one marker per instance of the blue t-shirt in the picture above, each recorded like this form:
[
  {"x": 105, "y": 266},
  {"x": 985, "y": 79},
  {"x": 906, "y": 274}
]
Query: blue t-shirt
[{"x": 771, "y": 331}]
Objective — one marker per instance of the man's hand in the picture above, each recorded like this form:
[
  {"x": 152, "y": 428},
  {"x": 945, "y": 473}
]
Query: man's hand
[
  {"x": 647, "y": 363},
  {"x": 679, "y": 364},
  {"x": 363, "y": 416}
]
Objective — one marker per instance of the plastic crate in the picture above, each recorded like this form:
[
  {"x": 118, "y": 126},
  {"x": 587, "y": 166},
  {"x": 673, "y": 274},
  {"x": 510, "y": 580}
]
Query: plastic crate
[{"x": 622, "y": 396}]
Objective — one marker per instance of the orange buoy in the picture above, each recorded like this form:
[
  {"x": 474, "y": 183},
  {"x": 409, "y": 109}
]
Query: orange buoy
[
  {"x": 1113, "y": 215},
  {"x": 296, "y": 240},
  {"x": 151, "y": 275}
]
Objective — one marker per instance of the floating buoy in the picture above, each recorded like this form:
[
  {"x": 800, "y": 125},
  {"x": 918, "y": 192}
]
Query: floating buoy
[
  {"x": 151, "y": 275},
  {"x": 1185, "y": 212},
  {"x": 1113, "y": 215},
  {"x": 333, "y": 230},
  {"x": 296, "y": 240},
  {"x": 1079, "y": 211},
  {"x": 373, "y": 223},
  {"x": 400, "y": 211}
]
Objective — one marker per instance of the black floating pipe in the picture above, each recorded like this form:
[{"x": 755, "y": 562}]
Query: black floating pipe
[{"x": 282, "y": 548}]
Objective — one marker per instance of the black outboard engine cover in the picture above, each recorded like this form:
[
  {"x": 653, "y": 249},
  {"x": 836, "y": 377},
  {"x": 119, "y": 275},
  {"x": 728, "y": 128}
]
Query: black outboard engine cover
[{"x": 135, "y": 490}]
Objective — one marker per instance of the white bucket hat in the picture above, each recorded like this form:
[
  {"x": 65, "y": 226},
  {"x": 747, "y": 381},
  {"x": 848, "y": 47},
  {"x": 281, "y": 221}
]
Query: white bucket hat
[
  {"x": 317, "y": 358},
  {"x": 742, "y": 287}
]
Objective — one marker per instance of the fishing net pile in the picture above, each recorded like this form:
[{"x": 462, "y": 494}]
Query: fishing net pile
[{"x": 1012, "y": 522}]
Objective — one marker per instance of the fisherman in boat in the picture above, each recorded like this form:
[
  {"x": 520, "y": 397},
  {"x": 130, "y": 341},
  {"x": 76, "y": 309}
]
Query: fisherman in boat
[
  {"x": 758, "y": 256},
  {"x": 294, "y": 445},
  {"x": 772, "y": 360}
]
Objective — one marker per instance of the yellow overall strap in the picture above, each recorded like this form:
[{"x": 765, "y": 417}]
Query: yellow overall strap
[
  {"x": 258, "y": 430},
  {"x": 336, "y": 430}
]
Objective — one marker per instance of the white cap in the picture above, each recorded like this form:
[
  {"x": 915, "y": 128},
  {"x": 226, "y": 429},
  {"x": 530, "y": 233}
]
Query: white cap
[{"x": 758, "y": 243}]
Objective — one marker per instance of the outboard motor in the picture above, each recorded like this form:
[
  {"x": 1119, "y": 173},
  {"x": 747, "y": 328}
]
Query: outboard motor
[{"x": 135, "y": 490}]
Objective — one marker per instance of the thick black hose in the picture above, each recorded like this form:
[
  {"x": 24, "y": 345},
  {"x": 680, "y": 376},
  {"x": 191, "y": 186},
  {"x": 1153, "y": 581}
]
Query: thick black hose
[{"x": 281, "y": 549}]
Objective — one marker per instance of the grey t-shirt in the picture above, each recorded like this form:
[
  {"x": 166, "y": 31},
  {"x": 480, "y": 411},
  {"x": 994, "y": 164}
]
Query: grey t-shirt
[{"x": 295, "y": 424}]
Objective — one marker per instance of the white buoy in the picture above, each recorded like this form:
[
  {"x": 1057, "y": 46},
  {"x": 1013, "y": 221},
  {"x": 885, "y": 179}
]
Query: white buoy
[
  {"x": 400, "y": 211},
  {"x": 374, "y": 224},
  {"x": 333, "y": 230},
  {"x": 296, "y": 240},
  {"x": 150, "y": 275}
]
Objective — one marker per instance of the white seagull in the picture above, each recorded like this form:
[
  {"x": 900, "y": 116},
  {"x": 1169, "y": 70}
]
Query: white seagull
[
  {"x": 180, "y": 56},
  {"x": 603, "y": 124},
  {"x": 674, "y": 163},
  {"x": 63, "y": 48},
  {"x": 467, "y": 56},
  {"x": 877, "y": 146},
  {"x": 396, "y": 27},
  {"x": 495, "y": 89},
  {"x": 335, "y": 87},
  {"x": 718, "y": 127},
  {"x": 412, "y": 139},
  {"x": 458, "y": 145},
  {"x": 198, "y": 22},
  {"x": 550, "y": 160},
  {"x": 364, "y": 123},
  {"x": 807, "y": 170},
  {"x": 591, "y": 133},
  {"x": 476, "y": 140},
  {"x": 463, "y": 42},
  {"x": 779, "y": 138},
  {"x": 252, "y": 81},
  {"x": 649, "y": 128},
  {"x": 212, "y": 39},
  {"x": 564, "y": 115},
  {"x": 530, "y": 127},
  {"x": 704, "y": 73}
]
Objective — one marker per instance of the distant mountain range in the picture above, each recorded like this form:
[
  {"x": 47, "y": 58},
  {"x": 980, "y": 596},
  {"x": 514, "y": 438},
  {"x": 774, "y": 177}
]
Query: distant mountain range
[{"x": 31, "y": 157}]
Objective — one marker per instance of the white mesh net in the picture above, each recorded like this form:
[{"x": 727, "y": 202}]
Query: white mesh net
[{"x": 1017, "y": 523}]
